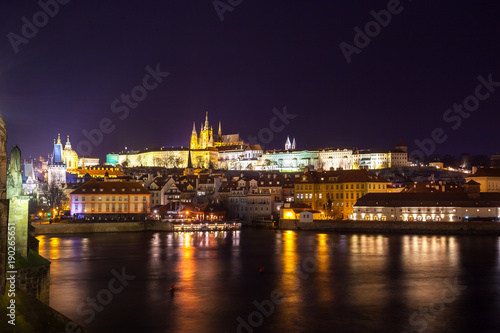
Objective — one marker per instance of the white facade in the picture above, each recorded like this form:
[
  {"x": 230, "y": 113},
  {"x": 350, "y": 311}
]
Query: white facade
[
  {"x": 337, "y": 158},
  {"x": 424, "y": 214},
  {"x": 381, "y": 159},
  {"x": 88, "y": 161},
  {"x": 57, "y": 174}
]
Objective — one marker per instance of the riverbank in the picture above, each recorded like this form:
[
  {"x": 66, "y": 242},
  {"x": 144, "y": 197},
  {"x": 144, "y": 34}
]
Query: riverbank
[
  {"x": 441, "y": 228},
  {"x": 85, "y": 227},
  {"x": 444, "y": 228}
]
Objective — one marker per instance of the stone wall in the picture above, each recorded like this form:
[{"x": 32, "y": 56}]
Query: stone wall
[
  {"x": 4, "y": 209},
  {"x": 75, "y": 228},
  {"x": 35, "y": 281},
  {"x": 470, "y": 228}
]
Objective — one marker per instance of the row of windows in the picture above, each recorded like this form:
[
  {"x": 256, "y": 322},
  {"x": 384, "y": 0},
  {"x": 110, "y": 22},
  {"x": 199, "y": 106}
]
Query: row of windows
[
  {"x": 347, "y": 187},
  {"x": 329, "y": 196},
  {"x": 113, "y": 190},
  {"x": 113, "y": 207},
  {"x": 120, "y": 198},
  {"x": 437, "y": 210}
]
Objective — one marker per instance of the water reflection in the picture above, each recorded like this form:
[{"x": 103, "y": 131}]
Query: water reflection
[{"x": 331, "y": 282}]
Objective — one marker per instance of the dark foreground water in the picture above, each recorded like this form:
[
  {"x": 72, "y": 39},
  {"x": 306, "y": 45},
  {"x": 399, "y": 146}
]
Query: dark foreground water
[{"x": 311, "y": 282}]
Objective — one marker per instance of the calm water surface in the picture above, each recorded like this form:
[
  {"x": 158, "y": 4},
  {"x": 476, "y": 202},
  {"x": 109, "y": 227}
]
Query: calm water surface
[{"x": 320, "y": 282}]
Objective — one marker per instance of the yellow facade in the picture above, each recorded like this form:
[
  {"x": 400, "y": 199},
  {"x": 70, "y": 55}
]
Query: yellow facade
[
  {"x": 341, "y": 195},
  {"x": 207, "y": 139},
  {"x": 171, "y": 158},
  {"x": 69, "y": 156}
]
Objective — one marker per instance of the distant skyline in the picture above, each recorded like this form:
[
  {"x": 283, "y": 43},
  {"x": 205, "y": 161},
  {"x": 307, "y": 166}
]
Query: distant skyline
[{"x": 363, "y": 74}]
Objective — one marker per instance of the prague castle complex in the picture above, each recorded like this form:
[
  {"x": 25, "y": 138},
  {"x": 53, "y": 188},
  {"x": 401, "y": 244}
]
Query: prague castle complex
[{"x": 218, "y": 151}]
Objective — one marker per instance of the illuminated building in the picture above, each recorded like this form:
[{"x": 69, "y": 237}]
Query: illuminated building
[
  {"x": 30, "y": 181},
  {"x": 488, "y": 178},
  {"x": 83, "y": 174},
  {"x": 300, "y": 212},
  {"x": 207, "y": 139},
  {"x": 57, "y": 167},
  {"x": 65, "y": 164},
  {"x": 70, "y": 157},
  {"x": 385, "y": 158},
  {"x": 203, "y": 212},
  {"x": 165, "y": 157},
  {"x": 428, "y": 207},
  {"x": 335, "y": 192},
  {"x": 210, "y": 150},
  {"x": 102, "y": 199},
  {"x": 88, "y": 161}
]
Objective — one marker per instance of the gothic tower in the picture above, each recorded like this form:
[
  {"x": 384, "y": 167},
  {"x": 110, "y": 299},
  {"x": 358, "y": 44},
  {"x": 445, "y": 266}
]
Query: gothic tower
[
  {"x": 288, "y": 145},
  {"x": 194, "y": 138},
  {"x": 57, "y": 168}
]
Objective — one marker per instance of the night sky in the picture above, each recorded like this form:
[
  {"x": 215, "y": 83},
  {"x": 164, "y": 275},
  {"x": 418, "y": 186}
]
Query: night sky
[{"x": 263, "y": 55}]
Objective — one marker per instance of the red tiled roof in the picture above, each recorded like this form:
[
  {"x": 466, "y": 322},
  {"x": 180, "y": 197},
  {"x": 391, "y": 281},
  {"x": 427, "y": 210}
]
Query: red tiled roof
[
  {"x": 110, "y": 187},
  {"x": 487, "y": 172}
]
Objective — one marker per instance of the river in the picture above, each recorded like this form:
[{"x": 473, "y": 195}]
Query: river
[{"x": 275, "y": 281}]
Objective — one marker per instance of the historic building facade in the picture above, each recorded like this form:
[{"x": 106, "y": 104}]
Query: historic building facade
[
  {"x": 211, "y": 150},
  {"x": 335, "y": 192},
  {"x": 111, "y": 198}
]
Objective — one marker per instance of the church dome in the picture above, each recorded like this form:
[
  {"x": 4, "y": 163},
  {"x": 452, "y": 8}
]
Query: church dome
[
  {"x": 70, "y": 157},
  {"x": 68, "y": 151}
]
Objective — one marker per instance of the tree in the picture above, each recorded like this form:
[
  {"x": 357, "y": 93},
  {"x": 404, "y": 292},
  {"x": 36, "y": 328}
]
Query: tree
[
  {"x": 333, "y": 212},
  {"x": 211, "y": 165},
  {"x": 55, "y": 196},
  {"x": 34, "y": 205},
  {"x": 170, "y": 161},
  {"x": 177, "y": 162},
  {"x": 280, "y": 165},
  {"x": 199, "y": 161},
  {"x": 157, "y": 161},
  {"x": 267, "y": 163}
]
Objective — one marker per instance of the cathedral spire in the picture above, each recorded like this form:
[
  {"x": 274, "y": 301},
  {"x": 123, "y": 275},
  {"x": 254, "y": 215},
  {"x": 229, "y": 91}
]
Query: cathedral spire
[
  {"x": 206, "y": 121},
  {"x": 59, "y": 139},
  {"x": 220, "y": 130},
  {"x": 190, "y": 162},
  {"x": 288, "y": 145},
  {"x": 293, "y": 144},
  {"x": 194, "y": 129}
]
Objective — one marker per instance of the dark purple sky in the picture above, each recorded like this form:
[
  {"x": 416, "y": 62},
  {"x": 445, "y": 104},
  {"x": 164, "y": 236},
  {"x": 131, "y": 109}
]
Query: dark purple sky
[{"x": 264, "y": 55}]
